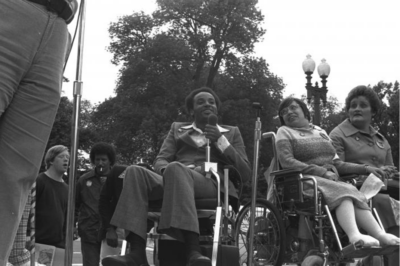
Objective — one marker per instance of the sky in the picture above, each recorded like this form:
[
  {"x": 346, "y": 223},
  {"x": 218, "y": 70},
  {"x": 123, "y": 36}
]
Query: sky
[{"x": 360, "y": 40}]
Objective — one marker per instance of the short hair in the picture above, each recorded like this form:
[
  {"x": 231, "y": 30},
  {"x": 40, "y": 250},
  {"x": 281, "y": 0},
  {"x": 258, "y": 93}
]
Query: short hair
[
  {"x": 102, "y": 148},
  {"x": 52, "y": 153},
  {"x": 368, "y": 93},
  {"x": 189, "y": 99},
  {"x": 287, "y": 101}
]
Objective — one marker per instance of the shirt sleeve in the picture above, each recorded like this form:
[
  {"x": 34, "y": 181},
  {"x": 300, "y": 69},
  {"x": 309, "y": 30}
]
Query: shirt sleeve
[{"x": 222, "y": 143}]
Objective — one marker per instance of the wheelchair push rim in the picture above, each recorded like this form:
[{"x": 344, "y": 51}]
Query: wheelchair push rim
[{"x": 269, "y": 234}]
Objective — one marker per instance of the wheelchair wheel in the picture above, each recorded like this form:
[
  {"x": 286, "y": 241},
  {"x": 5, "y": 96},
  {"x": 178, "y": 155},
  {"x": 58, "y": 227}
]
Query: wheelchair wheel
[
  {"x": 312, "y": 260},
  {"x": 269, "y": 234}
]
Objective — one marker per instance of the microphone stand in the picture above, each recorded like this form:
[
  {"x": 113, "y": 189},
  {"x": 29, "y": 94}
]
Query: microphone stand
[
  {"x": 257, "y": 137},
  {"x": 74, "y": 140}
]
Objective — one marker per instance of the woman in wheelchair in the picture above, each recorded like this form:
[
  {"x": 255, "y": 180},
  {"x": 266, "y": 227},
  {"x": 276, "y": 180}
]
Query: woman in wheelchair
[
  {"x": 356, "y": 141},
  {"x": 306, "y": 147}
]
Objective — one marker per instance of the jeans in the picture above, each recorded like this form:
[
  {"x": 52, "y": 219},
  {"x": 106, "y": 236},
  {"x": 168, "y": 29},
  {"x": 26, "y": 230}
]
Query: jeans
[
  {"x": 90, "y": 253},
  {"x": 19, "y": 255},
  {"x": 33, "y": 44}
]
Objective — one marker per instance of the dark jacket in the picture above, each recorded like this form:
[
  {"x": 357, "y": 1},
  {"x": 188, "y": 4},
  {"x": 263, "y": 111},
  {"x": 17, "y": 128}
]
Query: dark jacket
[
  {"x": 87, "y": 206},
  {"x": 109, "y": 197}
]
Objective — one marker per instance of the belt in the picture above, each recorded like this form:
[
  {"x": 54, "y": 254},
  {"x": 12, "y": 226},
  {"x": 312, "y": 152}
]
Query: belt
[
  {"x": 64, "y": 9},
  {"x": 45, "y": 3}
]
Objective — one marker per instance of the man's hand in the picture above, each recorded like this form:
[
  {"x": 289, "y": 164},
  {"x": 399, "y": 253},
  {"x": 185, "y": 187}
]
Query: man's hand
[
  {"x": 112, "y": 237},
  {"x": 331, "y": 176},
  {"x": 212, "y": 133},
  {"x": 75, "y": 233}
]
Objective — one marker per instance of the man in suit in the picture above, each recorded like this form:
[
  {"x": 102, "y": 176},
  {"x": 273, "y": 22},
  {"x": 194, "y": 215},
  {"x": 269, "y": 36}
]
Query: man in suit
[{"x": 178, "y": 179}]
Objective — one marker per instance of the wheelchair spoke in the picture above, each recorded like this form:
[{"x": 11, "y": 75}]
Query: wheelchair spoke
[{"x": 268, "y": 234}]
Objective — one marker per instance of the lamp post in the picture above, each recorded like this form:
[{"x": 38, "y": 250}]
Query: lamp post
[{"x": 319, "y": 93}]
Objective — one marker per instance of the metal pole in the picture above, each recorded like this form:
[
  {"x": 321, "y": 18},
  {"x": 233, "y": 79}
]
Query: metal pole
[
  {"x": 257, "y": 137},
  {"x": 317, "y": 110},
  {"x": 74, "y": 140}
]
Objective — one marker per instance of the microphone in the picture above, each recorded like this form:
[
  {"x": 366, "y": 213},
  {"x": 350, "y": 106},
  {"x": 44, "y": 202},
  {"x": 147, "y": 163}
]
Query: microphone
[{"x": 212, "y": 120}]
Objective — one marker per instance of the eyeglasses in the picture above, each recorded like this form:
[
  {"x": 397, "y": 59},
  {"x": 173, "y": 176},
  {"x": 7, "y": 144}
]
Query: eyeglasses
[{"x": 285, "y": 110}]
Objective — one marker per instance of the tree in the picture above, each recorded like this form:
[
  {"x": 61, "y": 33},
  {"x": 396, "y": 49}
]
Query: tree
[
  {"x": 214, "y": 29},
  {"x": 386, "y": 120}
]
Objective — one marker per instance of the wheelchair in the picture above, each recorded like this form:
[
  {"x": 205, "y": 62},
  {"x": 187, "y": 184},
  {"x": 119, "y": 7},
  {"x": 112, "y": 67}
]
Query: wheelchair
[
  {"x": 291, "y": 228},
  {"x": 216, "y": 222}
]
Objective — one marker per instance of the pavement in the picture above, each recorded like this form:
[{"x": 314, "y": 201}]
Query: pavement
[{"x": 77, "y": 255}]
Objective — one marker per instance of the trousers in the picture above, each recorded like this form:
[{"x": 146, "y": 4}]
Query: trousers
[
  {"x": 178, "y": 188},
  {"x": 33, "y": 45},
  {"x": 90, "y": 253}
]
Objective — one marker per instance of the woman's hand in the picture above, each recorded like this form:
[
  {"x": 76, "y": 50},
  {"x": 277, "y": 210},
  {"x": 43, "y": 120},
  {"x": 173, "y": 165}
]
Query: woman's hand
[
  {"x": 377, "y": 171},
  {"x": 331, "y": 176},
  {"x": 391, "y": 171}
]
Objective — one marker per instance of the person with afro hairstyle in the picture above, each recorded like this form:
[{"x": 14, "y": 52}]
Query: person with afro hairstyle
[{"x": 87, "y": 217}]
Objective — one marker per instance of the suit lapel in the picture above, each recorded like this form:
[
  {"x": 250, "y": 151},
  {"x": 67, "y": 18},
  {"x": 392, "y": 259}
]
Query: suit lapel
[{"x": 184, "y": 135}]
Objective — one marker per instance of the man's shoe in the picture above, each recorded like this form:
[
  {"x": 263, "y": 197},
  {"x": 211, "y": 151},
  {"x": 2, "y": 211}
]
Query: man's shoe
[
  {"x": 120, "y": 261},
  {"x": 197, "y": 259}
]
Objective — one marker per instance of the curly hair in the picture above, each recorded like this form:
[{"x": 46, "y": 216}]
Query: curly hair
[
  {"x": 189, "y": 99},
  {"x": 287, "y": 101},
  {"x": 368, "y": 93},
  {"x": 52, "y": 153},
  {"x": 102, "y": 148}
]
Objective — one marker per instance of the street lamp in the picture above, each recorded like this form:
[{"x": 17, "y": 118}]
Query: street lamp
[{"x": 319, "y": 93}]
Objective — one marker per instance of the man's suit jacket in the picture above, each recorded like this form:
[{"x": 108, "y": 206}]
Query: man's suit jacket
[{"x": 179, "y": 146}]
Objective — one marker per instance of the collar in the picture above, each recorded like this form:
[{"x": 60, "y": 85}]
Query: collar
[
  {"x": 310, "y": 128},
  {"x": 193, "y": 126},
  {"x": 348, "y": 129}
]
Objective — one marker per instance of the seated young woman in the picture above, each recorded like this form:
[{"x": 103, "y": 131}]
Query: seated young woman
[{"x": 306, "y": 147}]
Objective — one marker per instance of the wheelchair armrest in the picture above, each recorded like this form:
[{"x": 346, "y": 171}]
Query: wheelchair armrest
[
  {"x": 351, "y": 178},
  {"x": 285, "y": 172}
]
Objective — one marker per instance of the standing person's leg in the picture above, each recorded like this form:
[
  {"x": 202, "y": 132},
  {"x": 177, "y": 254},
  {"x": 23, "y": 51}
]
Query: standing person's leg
[
  {"x": 90, "y": 253},
  {"x": 33, "y": 44},
  {"x": 140, "y": 187},
  {"x": 19, "y": 255}
]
